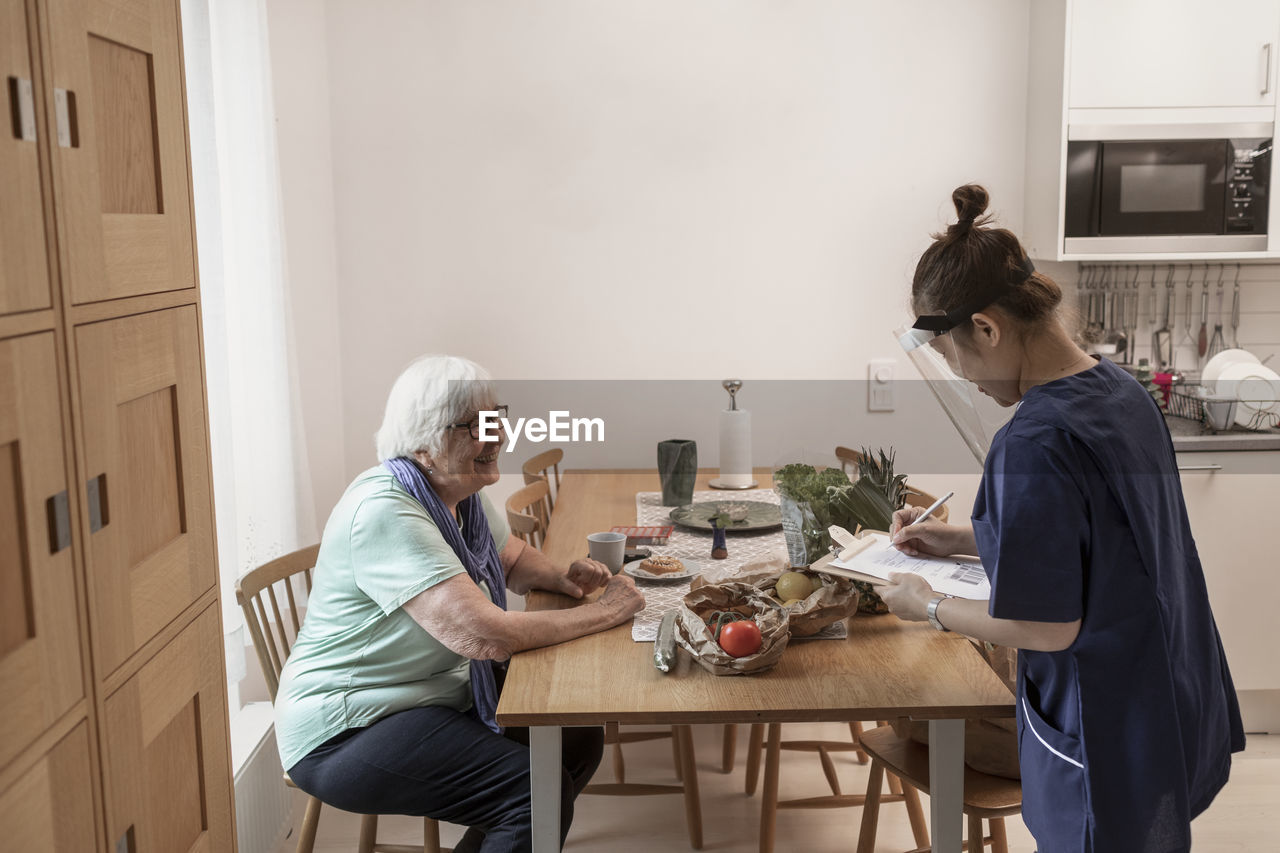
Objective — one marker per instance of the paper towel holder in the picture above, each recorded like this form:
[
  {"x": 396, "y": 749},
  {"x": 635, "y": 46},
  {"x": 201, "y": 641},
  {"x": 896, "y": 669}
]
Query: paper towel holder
[{"x": 733, "y": 386}]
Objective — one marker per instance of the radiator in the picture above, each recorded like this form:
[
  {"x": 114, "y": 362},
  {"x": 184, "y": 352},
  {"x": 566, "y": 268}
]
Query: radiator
[{"x": 264, "y": 805}]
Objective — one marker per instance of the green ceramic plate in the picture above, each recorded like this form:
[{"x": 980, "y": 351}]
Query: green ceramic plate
[{"x": 760, "y": 516}]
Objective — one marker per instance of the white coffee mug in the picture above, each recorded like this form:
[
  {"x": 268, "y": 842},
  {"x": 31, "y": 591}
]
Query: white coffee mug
[{"x": 608, "y": 548}]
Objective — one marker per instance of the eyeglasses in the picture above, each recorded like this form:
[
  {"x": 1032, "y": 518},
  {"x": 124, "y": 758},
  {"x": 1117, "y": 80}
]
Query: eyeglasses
[{"x": 473, "y": 425}]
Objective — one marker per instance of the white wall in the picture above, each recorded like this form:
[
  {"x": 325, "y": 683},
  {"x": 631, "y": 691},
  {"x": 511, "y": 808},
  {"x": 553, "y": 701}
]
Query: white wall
[{"x": 639, "y": 189}]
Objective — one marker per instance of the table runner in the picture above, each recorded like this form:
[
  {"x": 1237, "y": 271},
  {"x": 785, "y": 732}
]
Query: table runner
[{"x": 689, "y": 544}]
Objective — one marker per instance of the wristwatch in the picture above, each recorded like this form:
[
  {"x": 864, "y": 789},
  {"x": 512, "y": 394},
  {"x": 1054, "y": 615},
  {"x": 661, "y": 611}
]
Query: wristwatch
[{"x": 931, "y": 610}]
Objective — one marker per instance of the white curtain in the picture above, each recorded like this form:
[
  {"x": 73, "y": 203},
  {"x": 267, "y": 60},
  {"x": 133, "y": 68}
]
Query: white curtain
[{"x": 261, "y": 485}]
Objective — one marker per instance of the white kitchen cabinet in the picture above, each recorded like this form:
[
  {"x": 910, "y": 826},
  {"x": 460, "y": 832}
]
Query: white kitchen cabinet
[
  {"x": 1231, "y": 502},
  {"x": 1173, "y": 53}
]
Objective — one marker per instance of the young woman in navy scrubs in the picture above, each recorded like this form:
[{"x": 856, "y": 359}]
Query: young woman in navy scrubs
[{"x": 1127, "y": 717}]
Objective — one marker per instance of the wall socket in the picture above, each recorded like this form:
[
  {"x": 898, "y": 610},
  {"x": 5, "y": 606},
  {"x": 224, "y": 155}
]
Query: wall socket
[{"x": 880, "y": 374}]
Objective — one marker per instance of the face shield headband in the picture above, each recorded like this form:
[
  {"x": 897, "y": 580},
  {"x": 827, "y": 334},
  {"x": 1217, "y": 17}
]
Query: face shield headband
[{"x": 929, "y": 326}]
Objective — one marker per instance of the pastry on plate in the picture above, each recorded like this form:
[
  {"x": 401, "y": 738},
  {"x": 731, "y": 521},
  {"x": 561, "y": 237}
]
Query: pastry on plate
[{"x": 659, "y": 565}]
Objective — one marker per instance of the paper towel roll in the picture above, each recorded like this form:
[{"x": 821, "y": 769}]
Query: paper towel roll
[{"x": 735, "y": 448}]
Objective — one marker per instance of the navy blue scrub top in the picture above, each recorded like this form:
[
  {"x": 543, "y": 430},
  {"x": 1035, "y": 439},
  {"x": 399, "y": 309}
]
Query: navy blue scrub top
[{"x": 1127, "y": 735}]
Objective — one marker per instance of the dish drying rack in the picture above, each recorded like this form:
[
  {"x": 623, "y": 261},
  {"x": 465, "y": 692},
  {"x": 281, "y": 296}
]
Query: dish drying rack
[{"x": 1184, "y": 402}]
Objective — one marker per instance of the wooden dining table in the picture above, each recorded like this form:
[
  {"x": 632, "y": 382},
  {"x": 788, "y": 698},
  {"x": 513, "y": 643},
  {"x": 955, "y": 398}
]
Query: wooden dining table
[{"x": 884, "y": 668}]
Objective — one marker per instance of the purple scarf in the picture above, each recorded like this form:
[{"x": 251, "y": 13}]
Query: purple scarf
[{"x": 478, "y": 552}]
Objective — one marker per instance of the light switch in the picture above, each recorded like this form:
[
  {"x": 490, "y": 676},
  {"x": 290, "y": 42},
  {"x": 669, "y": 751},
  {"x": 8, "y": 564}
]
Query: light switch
[{"x": 880, "y": 372}]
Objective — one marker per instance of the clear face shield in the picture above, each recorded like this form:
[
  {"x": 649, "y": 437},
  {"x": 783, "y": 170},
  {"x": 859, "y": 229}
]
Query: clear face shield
[
  {"x": 939, "y": 362},
  {"x": 954, "y": 378}
]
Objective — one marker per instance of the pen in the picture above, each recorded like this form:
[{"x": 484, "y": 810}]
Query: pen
[{"x": 932, "y": 509}]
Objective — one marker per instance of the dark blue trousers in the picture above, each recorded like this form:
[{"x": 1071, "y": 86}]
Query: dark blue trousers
[{"x": 440, "y": 763}]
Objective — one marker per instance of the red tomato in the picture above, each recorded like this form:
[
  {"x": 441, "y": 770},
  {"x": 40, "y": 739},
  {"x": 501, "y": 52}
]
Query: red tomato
[{"x": 740, "y": 638}]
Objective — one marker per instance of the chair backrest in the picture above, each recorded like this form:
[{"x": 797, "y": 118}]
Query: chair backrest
[
  {"x": 527, "y": 513},
  {"x": 924, "y": 500},
  {"x": 546, "y": 467},
  {"x": 271, "y": 637},
  {"x": 849, "y": 460}
]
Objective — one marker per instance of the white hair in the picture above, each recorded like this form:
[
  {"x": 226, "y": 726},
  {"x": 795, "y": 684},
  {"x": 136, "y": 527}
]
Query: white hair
[{"x": 431, "y": 393}]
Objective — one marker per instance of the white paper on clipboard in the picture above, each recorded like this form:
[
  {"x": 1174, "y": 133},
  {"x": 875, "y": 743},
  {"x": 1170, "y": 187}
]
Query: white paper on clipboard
[{"x": 870, "y": 554}]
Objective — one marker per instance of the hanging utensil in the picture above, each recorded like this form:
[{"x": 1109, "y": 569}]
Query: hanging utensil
[
  {"x": 1186, "y": 318},
  {"x": 1235, "y": 311},
  {"x": 1202, "y": 342},
  {"x": 1162, "y": 338},
  {"x": 1216, "y": 343},
  {"x": 1132, "y": 313},
  {"x": 1115, "y": 338}
]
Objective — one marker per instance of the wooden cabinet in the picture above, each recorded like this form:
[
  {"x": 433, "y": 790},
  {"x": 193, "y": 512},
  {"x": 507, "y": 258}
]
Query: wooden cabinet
[
  {"x": 164, "y": 738},
  {"x": 121, "y": 153},
  {"x": 113, "y": 717},
  {"x": 1173, "y": 53},
  {"x": 145, "y": 451},
  {"x": 1230, "y": 499},
  {"x": 40, "y": 662},
  {"x": 50, "y": 807},
  {"x": 24, "y": 248}
]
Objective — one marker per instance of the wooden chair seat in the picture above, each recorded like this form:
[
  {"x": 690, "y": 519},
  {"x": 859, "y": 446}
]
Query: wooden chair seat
[
  {"x": 271, "y": 640},
  {"x": 770, "y": 804},
  {"x": 985, "y": 797}
]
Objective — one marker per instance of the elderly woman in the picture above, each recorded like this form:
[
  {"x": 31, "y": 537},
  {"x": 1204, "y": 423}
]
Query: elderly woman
[{"x": 386, "y": 704}]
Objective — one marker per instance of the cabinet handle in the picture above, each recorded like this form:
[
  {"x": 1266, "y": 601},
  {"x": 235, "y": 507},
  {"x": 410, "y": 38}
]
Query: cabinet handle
[
  {"x": 22, "y": 103},
  {"x": 1213, "y": 466},
  {"x": 64, "y": 107},
  {"x": 1266, "y": 70},
  {"x": 99, "y": 508},
  {"x": 58, "y": 509}
]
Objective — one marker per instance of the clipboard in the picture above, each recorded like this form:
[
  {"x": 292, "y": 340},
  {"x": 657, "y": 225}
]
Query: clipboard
[{"x": 955, "y": 576}]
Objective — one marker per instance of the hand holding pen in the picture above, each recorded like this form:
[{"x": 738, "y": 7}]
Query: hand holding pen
[{"x": 916, "y": 533}]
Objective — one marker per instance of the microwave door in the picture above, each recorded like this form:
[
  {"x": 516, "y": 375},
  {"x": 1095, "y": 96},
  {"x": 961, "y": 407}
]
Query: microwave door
[{"x": 1163, "y": 187}]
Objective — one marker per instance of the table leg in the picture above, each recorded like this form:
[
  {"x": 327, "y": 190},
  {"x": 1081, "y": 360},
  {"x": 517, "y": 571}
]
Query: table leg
[
  {"x": 544, "y": 782},
  {"x": 946, "y": 784}
]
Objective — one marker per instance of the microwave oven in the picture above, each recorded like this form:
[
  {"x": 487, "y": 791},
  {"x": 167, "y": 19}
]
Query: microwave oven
[{"x": 1167, "y": 195}]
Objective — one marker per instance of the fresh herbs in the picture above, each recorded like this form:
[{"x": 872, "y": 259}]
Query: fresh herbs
[{"x": 828, "y": 497}]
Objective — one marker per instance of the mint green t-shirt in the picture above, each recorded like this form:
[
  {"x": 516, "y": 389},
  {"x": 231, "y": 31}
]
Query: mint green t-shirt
[{"x": 359, "y": 655}]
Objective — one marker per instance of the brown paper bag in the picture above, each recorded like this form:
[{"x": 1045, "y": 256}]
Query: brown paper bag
[
  {"x": 835, "y": 600},
  {"x": 692, "y": 631}
]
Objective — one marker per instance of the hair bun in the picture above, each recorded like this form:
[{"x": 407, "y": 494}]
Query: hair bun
[{"x": 971, "y": 203}]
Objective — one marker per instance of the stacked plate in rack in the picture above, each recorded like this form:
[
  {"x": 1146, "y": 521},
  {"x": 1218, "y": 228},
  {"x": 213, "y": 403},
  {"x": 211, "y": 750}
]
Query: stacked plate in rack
[{"x": 1238, "y": 374}]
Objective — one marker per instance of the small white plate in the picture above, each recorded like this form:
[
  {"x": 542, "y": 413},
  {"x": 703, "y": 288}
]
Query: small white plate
[
  {"x": 1256, "y": 386},
  {"x": 691, "y": 568},
  {"x": 1213, "y": 367}
]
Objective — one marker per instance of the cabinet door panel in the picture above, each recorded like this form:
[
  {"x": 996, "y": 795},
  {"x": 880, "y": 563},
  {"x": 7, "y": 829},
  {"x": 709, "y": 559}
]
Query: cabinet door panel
[
  {"x": 122, "y": 168},
  {"x": 1173, "y": 53},
  {"x": 40, "y": 664},
  {"x": 50, "y": 807},
  {"x": 142, "y": 402},
  {"x": 24, "y": 250},
  {"x": 165, "y": 750},
  {"x": 1238, "y": 566}
]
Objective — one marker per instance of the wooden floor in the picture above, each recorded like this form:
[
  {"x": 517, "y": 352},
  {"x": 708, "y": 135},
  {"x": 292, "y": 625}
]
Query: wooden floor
[{"x": 1245, "y": 816}]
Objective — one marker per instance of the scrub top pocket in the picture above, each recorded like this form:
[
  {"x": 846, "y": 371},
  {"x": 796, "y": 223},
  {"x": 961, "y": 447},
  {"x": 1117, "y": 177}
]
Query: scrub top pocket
[{"x": 1054, "y": 801}]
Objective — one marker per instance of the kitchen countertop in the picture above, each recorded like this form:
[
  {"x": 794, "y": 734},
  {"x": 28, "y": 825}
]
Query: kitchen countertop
[{"x": 1190, "y": 436}]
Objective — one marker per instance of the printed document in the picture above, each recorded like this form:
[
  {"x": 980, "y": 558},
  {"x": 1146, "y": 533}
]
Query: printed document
[{"x": 955, "y": 576}]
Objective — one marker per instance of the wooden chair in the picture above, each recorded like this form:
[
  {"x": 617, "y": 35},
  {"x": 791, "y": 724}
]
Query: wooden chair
[
  {"x": 770, "y": 804},
  {"x": 985, "y": 797},
  {"x": 543, "y": 467},
  {"x": 271, "y": 639},
  {"x": 527, "y": 513},
  {"x": 686, "y": 770},
  {"x": 849, "y": 460}
]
